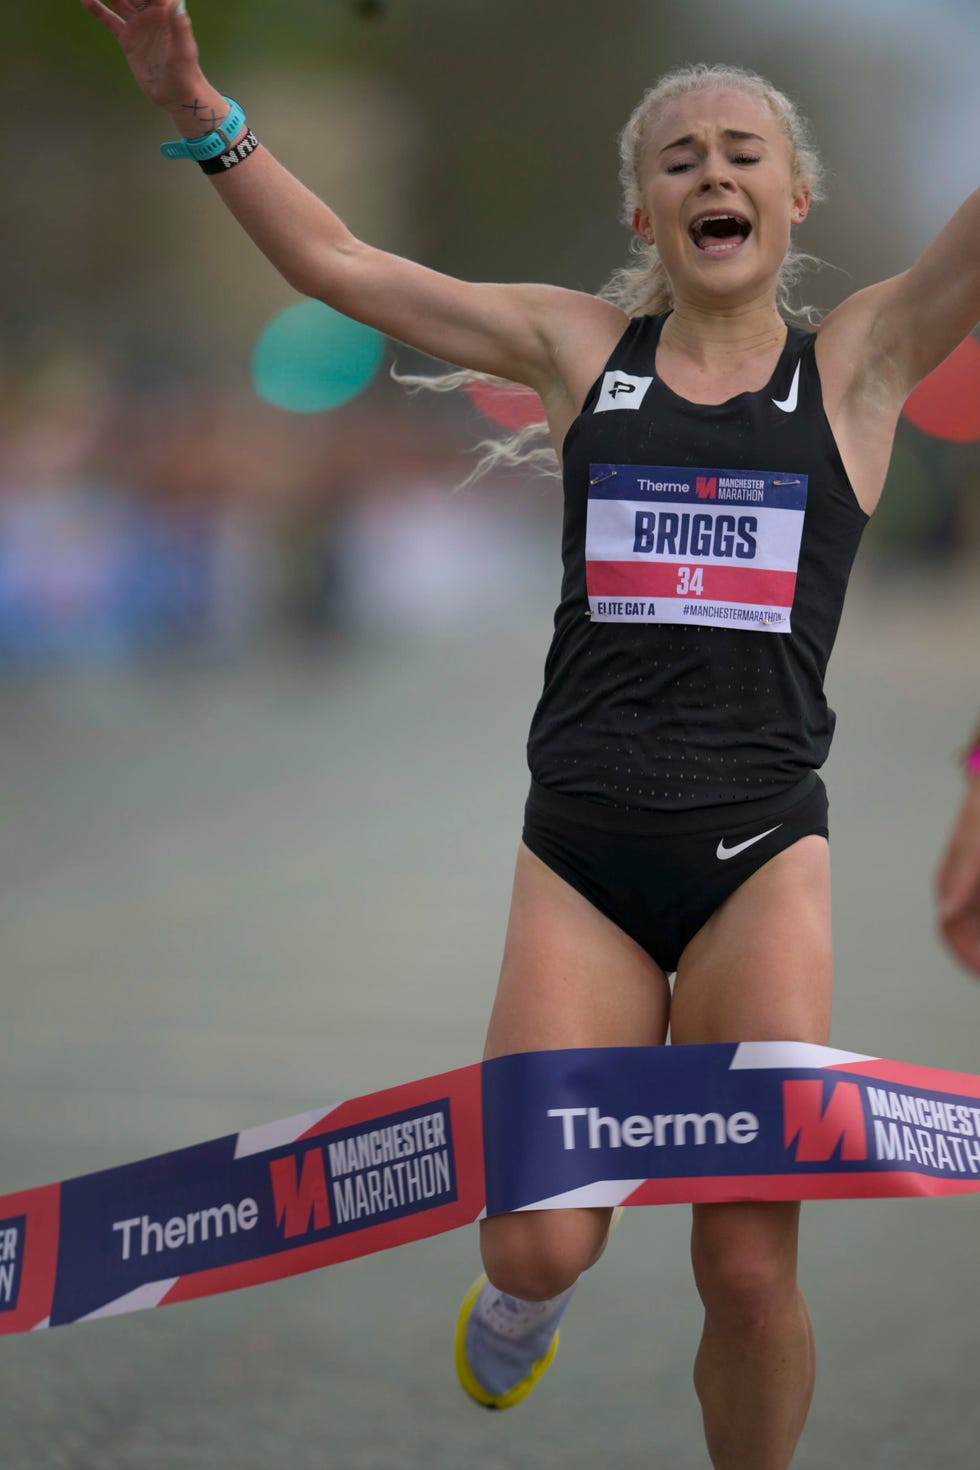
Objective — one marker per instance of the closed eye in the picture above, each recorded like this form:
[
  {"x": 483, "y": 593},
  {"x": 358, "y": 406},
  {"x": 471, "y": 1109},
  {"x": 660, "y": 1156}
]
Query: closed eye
[{"x": 739, "y": 158}]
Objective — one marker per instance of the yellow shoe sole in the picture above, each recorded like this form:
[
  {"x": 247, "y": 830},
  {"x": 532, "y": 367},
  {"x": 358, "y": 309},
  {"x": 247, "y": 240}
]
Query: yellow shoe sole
[{"x": 464, "y": 1372}]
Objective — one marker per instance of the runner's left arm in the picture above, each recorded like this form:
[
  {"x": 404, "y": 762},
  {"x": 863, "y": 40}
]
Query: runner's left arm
[{"x": 917, "y": 318}]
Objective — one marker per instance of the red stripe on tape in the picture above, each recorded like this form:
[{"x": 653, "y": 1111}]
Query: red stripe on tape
[
  {"x": 32, "y": 1259},
  {"x": 320, "y": 1253},
  {"x": 462, "y": 1088},
  {"x": 744, "y": 1188},
  {"x": 908, "y": 1075}
]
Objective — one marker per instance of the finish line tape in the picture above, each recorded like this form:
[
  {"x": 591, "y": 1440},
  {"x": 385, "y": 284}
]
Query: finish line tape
[{"x": 540, "y": 1130}]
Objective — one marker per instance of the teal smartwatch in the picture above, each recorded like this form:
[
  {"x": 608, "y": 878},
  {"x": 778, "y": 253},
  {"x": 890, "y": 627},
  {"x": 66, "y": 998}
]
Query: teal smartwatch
[{"x": 201, "y": 149}]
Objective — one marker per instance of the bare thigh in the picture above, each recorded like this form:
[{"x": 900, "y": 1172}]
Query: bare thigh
[
  {"x": 570, "y": 978},
  {"x": 761, "y": 969}
]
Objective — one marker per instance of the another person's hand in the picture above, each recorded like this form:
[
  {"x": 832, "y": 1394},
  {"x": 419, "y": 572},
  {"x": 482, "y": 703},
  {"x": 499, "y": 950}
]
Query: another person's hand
[
  {"x": 157, "y": 40},
  {"x": 958, "y": 882}
]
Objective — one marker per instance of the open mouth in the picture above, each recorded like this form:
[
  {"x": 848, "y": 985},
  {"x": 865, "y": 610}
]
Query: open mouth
[{"x": 719, "y": 234}]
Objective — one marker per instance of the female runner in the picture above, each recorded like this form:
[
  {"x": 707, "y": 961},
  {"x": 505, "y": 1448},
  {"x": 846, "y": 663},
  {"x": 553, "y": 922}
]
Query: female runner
[{"x": 719, "y": 469}]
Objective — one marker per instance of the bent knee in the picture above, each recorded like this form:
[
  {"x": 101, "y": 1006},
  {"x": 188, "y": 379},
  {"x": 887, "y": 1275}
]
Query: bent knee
[{"x": 536, "y": 1255}]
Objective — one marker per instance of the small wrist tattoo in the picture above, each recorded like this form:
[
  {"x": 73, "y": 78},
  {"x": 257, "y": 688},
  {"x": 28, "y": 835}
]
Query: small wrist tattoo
[{"x": 204, "y": 113}]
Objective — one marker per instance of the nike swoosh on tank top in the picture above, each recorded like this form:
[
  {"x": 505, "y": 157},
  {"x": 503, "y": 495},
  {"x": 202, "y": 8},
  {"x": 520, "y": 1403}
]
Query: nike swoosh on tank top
[{"x": 706, "y": 553}]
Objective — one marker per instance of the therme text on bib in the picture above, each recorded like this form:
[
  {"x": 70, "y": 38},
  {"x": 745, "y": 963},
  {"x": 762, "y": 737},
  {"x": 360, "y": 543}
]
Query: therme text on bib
[{"x": 709, "y": 547}]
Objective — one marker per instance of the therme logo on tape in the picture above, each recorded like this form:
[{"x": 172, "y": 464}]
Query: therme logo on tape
[{"x": 768, "y": 1120}]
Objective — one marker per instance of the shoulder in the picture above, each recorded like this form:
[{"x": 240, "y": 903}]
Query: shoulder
[
  {"x": 856, "y": 353},
  {"x": 572, "y": 319},
  {"x": 558, "y": 311},
  {"x": 580, "y": 332}
]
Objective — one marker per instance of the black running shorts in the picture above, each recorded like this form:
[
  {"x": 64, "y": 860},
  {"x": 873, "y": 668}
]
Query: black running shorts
[{"x": 661, "y": 875}]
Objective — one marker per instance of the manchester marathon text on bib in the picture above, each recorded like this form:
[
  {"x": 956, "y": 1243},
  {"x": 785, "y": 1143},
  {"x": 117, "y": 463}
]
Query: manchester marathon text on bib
[{"x": 714, "y": 548}]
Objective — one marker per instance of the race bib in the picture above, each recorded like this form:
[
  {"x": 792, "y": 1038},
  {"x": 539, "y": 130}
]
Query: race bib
[{"x": 708, "y": 547}]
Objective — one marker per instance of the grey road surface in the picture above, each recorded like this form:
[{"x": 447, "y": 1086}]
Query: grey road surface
[{"x": 231, "y": 895}]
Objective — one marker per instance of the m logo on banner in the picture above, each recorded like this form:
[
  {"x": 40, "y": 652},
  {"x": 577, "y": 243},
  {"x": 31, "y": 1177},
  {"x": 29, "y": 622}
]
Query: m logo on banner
[
  {"x": 818, "y": 1131},
  {"x": 301, "y": 1202}
]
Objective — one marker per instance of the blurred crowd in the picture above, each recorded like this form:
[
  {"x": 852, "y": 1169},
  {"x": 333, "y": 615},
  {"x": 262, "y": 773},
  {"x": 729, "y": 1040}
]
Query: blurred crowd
[
  {"x": 152, "y": 506},
  {"x": 146, "y": 516},
  {"x": 153, "y": 519}
]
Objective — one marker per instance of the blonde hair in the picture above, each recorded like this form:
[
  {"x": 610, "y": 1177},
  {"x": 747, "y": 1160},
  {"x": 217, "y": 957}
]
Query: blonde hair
[{"x": 642, "y": 288}]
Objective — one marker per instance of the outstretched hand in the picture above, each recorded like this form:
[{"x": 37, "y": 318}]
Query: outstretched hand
[
  {"x": 958, "y": 883},
  {"x": 157, "y": 40}
]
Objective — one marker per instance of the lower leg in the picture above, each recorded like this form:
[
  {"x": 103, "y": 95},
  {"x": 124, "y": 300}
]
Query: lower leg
[
  {"x": 759, "y": 970},
  {"x": 507, "y": 1333},
  {"x": 755, "y": 1388},
  {"x": 756, "y": 1364}
]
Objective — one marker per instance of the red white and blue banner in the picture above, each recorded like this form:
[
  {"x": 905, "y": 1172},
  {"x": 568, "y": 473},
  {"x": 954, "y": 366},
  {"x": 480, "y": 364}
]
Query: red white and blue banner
[
  {"x": 708, "y": 547},
  {"x": 540, "y": 1130}
]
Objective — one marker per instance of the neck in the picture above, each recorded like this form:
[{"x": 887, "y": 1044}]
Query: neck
[{"x": 710, "y": 337}]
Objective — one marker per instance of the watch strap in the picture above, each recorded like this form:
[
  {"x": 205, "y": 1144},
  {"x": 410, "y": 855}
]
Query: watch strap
[{"x": 211, "y": 144}]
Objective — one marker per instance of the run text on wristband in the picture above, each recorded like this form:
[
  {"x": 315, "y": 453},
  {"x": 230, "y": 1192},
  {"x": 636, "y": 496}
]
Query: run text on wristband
[{"x": 233, "y": 157}]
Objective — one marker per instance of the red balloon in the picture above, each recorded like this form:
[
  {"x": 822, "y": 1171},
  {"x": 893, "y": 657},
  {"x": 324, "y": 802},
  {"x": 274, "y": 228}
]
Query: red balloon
[
  {"x": 947, "y": 403},
  {"x": 510, "y": 405}
]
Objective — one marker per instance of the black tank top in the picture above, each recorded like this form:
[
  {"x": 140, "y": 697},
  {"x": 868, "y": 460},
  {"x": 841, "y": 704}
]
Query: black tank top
[{"x": 706, "y": 553}]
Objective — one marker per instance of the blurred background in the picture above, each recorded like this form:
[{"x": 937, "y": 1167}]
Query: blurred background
[
  {"x": 266, "y": 675},
  {"x": 152, "y": 504}
]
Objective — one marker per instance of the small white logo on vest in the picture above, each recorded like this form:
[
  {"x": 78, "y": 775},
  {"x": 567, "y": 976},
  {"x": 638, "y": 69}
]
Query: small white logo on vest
[
  {"x": 788, "y": 404},
  {"x": 621, "y": 390}
]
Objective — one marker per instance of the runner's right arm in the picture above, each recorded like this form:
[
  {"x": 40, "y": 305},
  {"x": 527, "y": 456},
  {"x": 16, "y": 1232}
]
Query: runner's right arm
[
  {"x": 958, "y": 878},
  {"x": 521, "y": 332}
]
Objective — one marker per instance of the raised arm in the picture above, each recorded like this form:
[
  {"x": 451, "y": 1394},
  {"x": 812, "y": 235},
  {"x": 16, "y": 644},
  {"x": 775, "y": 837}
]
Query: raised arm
[
  {"x": 958, "y": 877},
  {"x": 515, "y": 331},
  {"x": 893, "y": 334},
  {"x": 924, "y": 313}
]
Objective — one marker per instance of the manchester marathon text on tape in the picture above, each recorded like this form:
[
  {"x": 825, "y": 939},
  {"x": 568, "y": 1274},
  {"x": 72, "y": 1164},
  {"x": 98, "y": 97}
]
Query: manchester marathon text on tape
[{"x": 539, "y": 1130}]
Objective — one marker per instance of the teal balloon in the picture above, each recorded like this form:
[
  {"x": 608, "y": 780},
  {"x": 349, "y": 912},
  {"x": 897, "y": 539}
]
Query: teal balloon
[{"x": 310, "y": 358}]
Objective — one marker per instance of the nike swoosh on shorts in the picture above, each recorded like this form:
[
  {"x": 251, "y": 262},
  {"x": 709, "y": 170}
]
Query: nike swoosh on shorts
[
  {"x": 724, "y": 852},
  {"x": 788, "y": 404}
]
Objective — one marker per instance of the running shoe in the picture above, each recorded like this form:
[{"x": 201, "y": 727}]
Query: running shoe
[{"x": 503, "y": 1344}]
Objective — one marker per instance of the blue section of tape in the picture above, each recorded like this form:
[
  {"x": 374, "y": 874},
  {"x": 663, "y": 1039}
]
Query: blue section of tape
[
  {"x": 645, "y": 1125},
  {"x": 200, "y": 1208},
  {"x": 556, "y": 1122}
]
